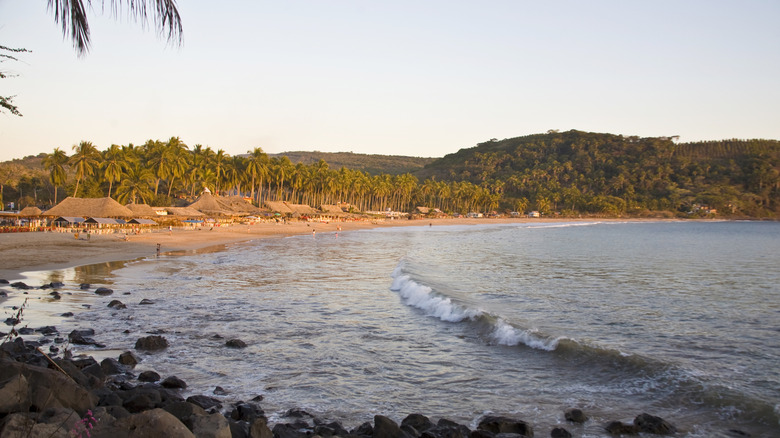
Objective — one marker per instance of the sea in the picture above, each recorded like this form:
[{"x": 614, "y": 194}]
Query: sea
[{"x": 679, "y": 320}]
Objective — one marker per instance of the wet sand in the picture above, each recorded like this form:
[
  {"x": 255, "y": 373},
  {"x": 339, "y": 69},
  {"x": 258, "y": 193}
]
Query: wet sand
[{"x": 41, "y": 251}]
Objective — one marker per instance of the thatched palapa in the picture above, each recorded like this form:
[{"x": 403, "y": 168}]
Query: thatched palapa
[
  {"x": 183, "y": 212},
  {"x": 30, "y": 212},
  {"x": 89, "y": 207},
  {"x": 333, "y": 210},
  {"x": 143, "y": 210},
  {"x": 218, "y": 206}
]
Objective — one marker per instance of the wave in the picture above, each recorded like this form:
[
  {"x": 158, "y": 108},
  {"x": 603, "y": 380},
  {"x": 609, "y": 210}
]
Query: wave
[{"x": 439, "y": 306}]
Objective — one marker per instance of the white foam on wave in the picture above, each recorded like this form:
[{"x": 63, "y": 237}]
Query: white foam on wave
[
  {"x": 423, "y": 298},
  {"x": 506, "y": 334}
]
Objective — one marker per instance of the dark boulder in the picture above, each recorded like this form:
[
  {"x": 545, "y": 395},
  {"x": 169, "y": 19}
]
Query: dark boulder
[
  {"x": 146, "y": 302},
  {"x": 236, "y": 343},
  {"x": 185, "y": 412},
  {"x": 203, "y": 401},
  {"x": 84, "y": 286},
  {"x": 620, "y": 428},
  {"x": 67, "y": 314},
  {"x": 151, "y": 343},
  {"x": 575, "y": 415},
  {"x": 116, "y": 304},
  {"x": 129, "y": 359},
  {"x": 104, "y": 291},
  {"x": 48, "y": 330},
  {"x": 20, "y": 285},
  {"x": 112, "y": 366},
  {"x": 655, "y": 425},
  {"x": 364, "y": 430},
  {"x": 284, "y": 430},
  {"x": 505, "y": 425},
  {"x": 140, "y": 399},
  {"x": 155, "y": 423},
  {"x": 419, "y": 422},
  {"x": 560, "y": 432},
  {"x": 248, "y": 412},
  {"x": 173, "y": 382},
  {"x": 384, "y": 427},
  {"x": 148, "y": 376}
]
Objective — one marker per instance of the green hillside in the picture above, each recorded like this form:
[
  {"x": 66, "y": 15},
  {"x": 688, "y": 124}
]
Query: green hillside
[
  {"x": 582, "y": 172},
  {"x": 373, "y": 164}
]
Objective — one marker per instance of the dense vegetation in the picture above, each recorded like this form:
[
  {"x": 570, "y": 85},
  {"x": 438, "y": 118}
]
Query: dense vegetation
[
  {"x": 569, "y": 173},
  {"x": 578, "y": 172}
]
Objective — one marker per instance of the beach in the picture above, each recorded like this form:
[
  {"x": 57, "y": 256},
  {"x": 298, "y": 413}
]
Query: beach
[{"x": 41, "y": 251}]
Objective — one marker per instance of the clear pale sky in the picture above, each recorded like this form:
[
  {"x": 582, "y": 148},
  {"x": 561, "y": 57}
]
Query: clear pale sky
[{"x": 420, "y": 78}]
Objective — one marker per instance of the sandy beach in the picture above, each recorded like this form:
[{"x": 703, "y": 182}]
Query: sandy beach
[{"x": 40, "y": 251}]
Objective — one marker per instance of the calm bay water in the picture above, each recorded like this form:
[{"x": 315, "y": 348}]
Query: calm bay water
[{"x": 676, "y": 319}]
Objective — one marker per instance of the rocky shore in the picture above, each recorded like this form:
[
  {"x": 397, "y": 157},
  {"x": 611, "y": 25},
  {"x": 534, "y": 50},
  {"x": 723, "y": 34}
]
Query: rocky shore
[{"x": 53, "y": 394}]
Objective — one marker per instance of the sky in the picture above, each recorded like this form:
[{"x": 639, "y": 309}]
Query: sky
[{"x": 416, "y": 78}]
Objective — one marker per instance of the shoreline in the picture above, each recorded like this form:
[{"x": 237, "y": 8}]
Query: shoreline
[{"x": 48, "y": 251}]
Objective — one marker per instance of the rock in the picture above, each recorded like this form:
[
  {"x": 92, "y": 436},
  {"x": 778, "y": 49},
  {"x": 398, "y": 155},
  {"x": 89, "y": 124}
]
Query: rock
[
  {"x": 67, "y": 314},
  {"x": 146, "y": 302},
  {"x": 129, "y": 359},
  {"x": 236, "y": 343},
  {"x": 24, "y": 425},
  {"x": 25, "y": 331},
  {"x": 384, "y": 427},
  {"x": 151, "y": 343},
  {"x": 112, "y": 366},
  {"x": 3, "y": 281},
  {"x": 20, "y": 285},
  {"x": 79, "y": 337},
  {"x": 186, "y": 412},
  {"x": 364, "y": 430},
  {"x": 419, "y": 422},
  {"x": 55, "y": 296},
  {"x": 95, "y": 370},
  {"x": 259, "y": 429},
  {"x": 505, "y": 425},
  {"x": 575, "y": 415},
  {"x": 155, "y": 423},
  {"x": 104, "y": 291},
  {"x": 203, "y": 401},
  {"x": 84, "y": 286},
  {"x": 117, "y": 304},
  {"x": 211, "y": 426},
  {"x": 148, "y": 376},
  {"x": 47, "y": 330},
  {"x": 173, "y": 382},
  {"x": 28, "y": 388},
  {"x": 3, "y": 293},
  {"x": 560, "y": 432},
  {"x": 246, "y": 412},
  {"x": 655, "y": 425},
  {"x": 620, "y": 428},
  {"x": 140, "y": 399},
  {"x": 220, "y": 391},
  {"x": 12, "y": 321}
]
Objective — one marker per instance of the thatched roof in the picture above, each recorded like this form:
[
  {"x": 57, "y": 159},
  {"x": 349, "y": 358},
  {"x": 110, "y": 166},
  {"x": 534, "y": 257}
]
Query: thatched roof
[
  {"x": 141, "y": 221},
  {"x": 142, "y": 210},
  {"x": 183, "y": 211},
  {"x": 218, "y": 206},
  {"x": 332, "y": 209},
  {"x": 302, "y": 209},
  {"x": 279, "y": 207},
  {"x": 89, "y": 207},
  {"x": 238, "y": 203},
  {"x": 30, "y": 211}
]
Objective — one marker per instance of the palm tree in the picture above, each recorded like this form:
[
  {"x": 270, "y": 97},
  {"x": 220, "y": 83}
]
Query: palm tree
[
  {"x": 136, "y": 184},
  {"x": 72, "y": 15},
  {"x": 55, "y": 163},
  {"x": 84, "y": 160},
  {"x": 257, "y": 167},
  {"x": 178, "y": 160},
  {"x": 113, "y": 165}
]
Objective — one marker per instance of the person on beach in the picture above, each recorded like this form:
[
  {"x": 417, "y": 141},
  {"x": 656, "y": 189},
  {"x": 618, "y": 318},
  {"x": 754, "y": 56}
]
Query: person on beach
[{"x": 158, "y": 250}]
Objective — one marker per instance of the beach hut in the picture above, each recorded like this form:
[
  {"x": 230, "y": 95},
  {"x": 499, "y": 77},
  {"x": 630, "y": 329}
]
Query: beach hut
[
  {"x": 142, "y": 221},
  {"x": 142, "y": 210},
  {"x": 68, "y": 221},
  {"x": 30, "y": 212},
  {"x": 280, "y": 207},
  {"x": 182, "y": 212},
  {"x": 89, "y": 207},
  {"x": 211, "y": 205}
]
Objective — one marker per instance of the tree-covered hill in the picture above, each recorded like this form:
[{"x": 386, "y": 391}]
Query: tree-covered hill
[
  {"x": 371, "y": 163},
  {"x": 587, "y": 172}
]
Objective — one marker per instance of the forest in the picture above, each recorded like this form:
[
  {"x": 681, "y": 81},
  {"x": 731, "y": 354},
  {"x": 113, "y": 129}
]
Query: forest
[{"x": 564, "y": 174}]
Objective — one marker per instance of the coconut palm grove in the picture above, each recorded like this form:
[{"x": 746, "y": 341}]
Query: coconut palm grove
[{"x": 567, "y": 174}]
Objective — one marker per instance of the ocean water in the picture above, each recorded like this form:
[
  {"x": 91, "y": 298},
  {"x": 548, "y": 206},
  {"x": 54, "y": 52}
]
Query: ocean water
[{"x": 676, "y": 319}]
